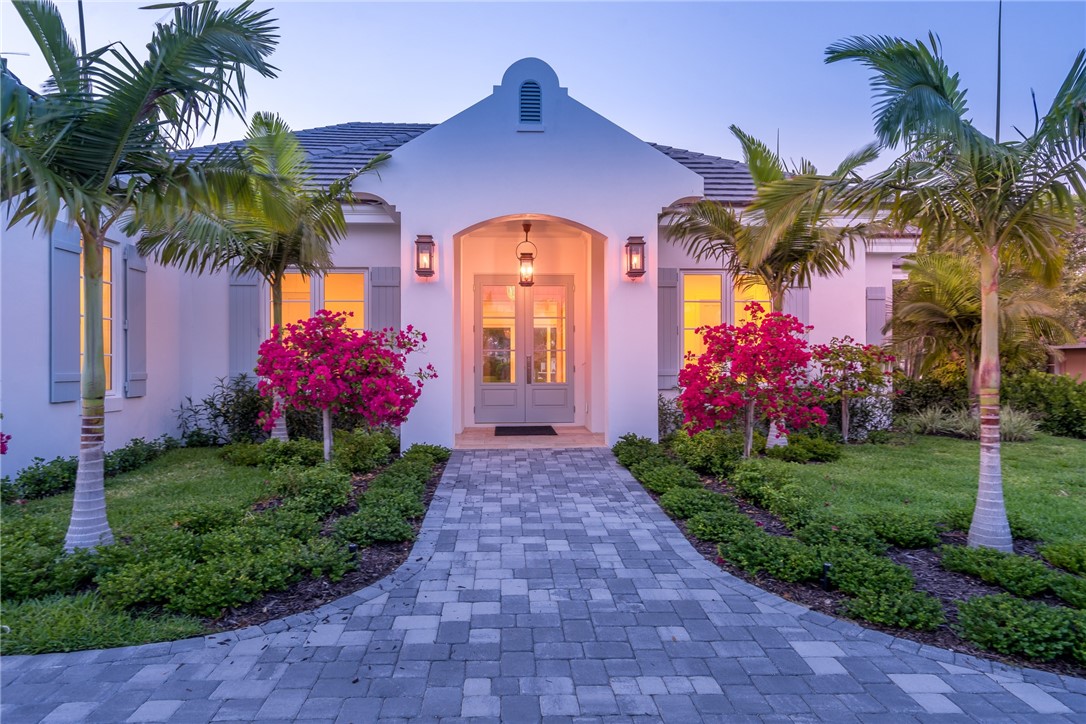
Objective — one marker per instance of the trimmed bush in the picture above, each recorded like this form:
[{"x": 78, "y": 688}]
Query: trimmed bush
[
  {"x": 373, "y": 524},
  {"x": 754, "y": 479},
  {"x": 34, "y": 564},
  {"x": 906, "y": 609},
  {"x": 406, "y": 503},
  {"x": 685, "y": 503},
  {"x": 299, "y": 452},
  {"x": 856, "y": 571},
  {"x": 1068, "y": 555},
  {"x": 1019, "y": 575},
  {"x": 1009, "y": 625},
  {"x": 361, "y": 451},
  {"x": 720, "y": 526},
  {"x": 1070, "y": 589},
  {"x": 785, "y": 559},
  {"x": 326, "y": 557},
  {"x": 1058, "y": 400},
  {"x": 316, "y": 490},
  {"x": 824, "y": 530},
  {"x": 631, "y": 449},
  {"x": 903, "y": 529},
  {"x": 806, "y": 449},
  {"x": 248, "y": 454},
  {"x": 709, "y": 452},
  {"x": 662, "y": 478},
  {"x": 913, "y": 395},
  {"x": 435, "y": 453}
]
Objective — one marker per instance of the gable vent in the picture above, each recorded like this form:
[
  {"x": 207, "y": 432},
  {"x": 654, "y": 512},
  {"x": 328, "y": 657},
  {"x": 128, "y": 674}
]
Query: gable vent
[{"x": 531, "y": 102}]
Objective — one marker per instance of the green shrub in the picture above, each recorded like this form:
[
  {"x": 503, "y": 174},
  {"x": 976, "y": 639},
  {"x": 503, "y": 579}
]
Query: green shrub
[
  {"x": 34, "y": 564},
  {"x": 669, "y": 415},
  {"x": 709, "y": 452},
  {"x": 903, "y": 529},
  {"x": 405, "y": 502},
  {"x": 856, "y": 571},
  {"x": 288, "y": 521},
  {"x": 420, "y": 451},
  {"x": 146, "y": 581},
  {"x": 204, "y": 517},
  {"x": 806, "y": 449},
  {"x": 631, "y": 449},
  {"x": 299, "y": 452},
  {"x": 904, "y": 609},
  {"x": 373, "y": 524},
  {"x": 417, "y": 468},
  {"x": 685, "y": 503},
  {"x": 1068, "y": 555},
  {"x": 662, "y": 478},
  {"x": 825, "y": 530},
  {"x": 878, "y": 437},
  {"x": 399, "y": 482},
  {"x": 785, "y": 559},
  {"x": 1071, "y": 589},
  {"x": 360, "y": 451},
  {"x": 931, "y": 420},
  {"x": 961, "y": 518},
  {"x": 1058, "y": 400},
  {"x": 1020, "y": 575},
  {"x": 326, "y": 557},
  {"x": 228, "y": 414},
  {"x": 243, "y": 453},
  {"x": 318, "y": 490},
  {"x": 913, "y": 395},
  {"x": 41, "y": 479},
  {"x": 720, "y": 526},
  {"x": 1014, "y": 426},
  {"x": 1009, "y": 625},
  {"x": 75, "y": 623},
  {"x": 754, "y": 479}
]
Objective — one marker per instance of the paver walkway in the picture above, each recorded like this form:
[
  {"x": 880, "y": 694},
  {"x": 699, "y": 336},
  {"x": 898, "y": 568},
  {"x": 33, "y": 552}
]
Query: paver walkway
[{"x": 545, "y": 584}]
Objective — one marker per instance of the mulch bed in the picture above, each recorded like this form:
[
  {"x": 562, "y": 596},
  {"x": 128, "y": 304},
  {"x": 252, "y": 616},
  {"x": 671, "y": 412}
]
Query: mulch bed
[
  {"x": 374, "y": 563},
  {"x": 930, "y": 576}
]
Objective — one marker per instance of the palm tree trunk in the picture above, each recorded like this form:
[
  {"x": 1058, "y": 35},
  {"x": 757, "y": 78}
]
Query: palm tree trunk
[
  {"x": 89, "y": 526},
  {"x": 748, "y": 430},
  {"x": 990, "y": 528},
  {"x": 279, "y": 427},
  {"x": 775, "y": 438}
]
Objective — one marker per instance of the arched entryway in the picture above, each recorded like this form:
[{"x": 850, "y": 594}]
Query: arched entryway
[{"x": 525, "y": 353}]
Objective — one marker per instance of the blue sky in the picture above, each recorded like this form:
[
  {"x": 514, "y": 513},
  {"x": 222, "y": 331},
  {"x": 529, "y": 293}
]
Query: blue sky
[{"x": 672, "y": 73}]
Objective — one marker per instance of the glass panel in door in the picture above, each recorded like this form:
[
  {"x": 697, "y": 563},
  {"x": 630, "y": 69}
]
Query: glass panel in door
[
  {"x": 549, "y": 335},
  {"x": 499, "y": 333}
]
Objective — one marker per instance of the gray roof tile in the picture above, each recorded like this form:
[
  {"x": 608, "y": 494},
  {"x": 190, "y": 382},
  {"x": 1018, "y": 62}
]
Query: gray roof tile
[{"x": 334, "y": 151}]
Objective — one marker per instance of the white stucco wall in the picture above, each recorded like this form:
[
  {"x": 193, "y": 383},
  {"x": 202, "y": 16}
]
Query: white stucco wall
[{"x": 479, "y": 166}]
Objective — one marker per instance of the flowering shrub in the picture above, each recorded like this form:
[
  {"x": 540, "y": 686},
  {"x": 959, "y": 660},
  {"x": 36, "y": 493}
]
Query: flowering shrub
[
  {"x": 321, "y": 364},
  {"x": 850, "y": 371},
  {"x": 757, "y": 369}
]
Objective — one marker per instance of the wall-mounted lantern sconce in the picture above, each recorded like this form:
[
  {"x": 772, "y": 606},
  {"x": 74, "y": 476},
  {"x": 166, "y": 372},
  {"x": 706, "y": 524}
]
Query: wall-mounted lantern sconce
[
  {"x": 635, "y": 257},
  {"x": 526, "y": 259},
  {"x": 424, "y": 255}
]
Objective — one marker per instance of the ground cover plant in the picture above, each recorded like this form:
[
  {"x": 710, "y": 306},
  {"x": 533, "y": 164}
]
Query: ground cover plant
[
  {"x": 877, "y": 535},
  {"x": 204, "y": 536}
]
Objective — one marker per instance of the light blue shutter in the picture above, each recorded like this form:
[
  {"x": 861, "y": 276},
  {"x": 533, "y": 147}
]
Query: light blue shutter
[
  {"x": 667, "y": 294},
  {"x": 384, "y": 301},
  {"x": 64, "y": 314},
  {"x": 876, "y": 314},
  {"x": 135, "y": 323},
  {"x": 797, "y": 302},
  {"x": 245, "y": 330}
]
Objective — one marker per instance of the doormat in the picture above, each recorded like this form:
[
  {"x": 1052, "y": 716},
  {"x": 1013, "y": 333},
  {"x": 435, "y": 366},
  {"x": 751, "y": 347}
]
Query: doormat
[{"x": 510, "y": 431}]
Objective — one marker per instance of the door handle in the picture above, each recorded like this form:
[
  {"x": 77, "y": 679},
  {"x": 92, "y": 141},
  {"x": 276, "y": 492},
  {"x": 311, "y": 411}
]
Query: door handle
[{"x": 528, "y": 369}]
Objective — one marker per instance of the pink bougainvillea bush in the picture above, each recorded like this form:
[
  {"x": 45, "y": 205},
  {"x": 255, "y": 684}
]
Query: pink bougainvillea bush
[
  {"x": 757, "y": 370},
  {"x": 850, "y": 371},
  {"x": 321, "y": 364}
]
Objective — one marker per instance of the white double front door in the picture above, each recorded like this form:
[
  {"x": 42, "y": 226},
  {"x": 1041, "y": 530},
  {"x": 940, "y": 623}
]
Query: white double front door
[{"x": 523, "y": 350}]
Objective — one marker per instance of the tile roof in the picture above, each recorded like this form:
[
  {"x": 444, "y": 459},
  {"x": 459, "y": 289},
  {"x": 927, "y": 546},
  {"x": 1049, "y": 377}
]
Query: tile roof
[{"x": 334, "y": 151}]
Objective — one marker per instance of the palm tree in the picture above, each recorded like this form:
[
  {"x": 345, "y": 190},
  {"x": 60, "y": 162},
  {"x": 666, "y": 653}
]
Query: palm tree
[
  {"x": 783, "y": 244},
  {"x": 937, "y": 315},
  {"x": 285, "y": 224},
  {"x": 1007, "y": 202},
  {"x": 98, "y": 139}
]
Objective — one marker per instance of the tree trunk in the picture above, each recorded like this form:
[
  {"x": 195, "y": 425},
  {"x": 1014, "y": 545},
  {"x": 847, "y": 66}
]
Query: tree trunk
[
  {"x": 89, "y": 526},
  {"x": 844, "y": 417},
  {"x": 279, "y": 427},
  {"x": 775, "y": 438},
  {"x": 326, "y": 422},
  {"x": 748, "y": 430},
  {"x": 990, "y": 528}
]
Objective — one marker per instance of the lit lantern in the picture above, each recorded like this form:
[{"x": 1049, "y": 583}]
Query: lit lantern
[
  {"x": 526, "y": 259},
  {"x": 635, "y": 257},
  {"x": 424, "y": 255}
]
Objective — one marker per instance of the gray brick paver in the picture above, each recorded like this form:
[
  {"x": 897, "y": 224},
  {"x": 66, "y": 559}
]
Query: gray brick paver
[{"x": 545, "y": 585}]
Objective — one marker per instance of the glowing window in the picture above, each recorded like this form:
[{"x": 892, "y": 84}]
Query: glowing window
[
  {"x": 702, "y": 305},
  {"x": 346, "y": 292},
  {"x": 747, "y": 290},
  {"x": 296, "y": 299},
  {"x": 107, "y": 313}
]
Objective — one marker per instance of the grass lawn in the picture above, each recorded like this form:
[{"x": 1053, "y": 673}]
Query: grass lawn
[{"x": 1044, "y": 481}]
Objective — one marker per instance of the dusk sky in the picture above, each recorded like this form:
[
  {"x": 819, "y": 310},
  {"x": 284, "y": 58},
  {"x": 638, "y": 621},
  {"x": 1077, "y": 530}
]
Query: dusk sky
[{"x": 671, "y": 73}]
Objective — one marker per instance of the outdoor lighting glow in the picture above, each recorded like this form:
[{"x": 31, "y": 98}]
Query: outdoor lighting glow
[
  {"x": 635, "y": 257},
  {"x": 527, "y": 259},
  {"x": 424, "y": 255}
]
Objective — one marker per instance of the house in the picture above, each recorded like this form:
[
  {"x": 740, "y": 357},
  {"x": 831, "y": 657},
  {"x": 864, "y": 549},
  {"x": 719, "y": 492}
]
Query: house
[{"x": 435, "y": 241}]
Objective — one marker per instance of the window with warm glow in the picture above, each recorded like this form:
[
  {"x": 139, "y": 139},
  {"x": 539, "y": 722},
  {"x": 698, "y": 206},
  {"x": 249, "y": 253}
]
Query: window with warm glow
[
  {"x": 747, "y": 290},
  {"x": 296, "y": 299},
  {"x": 702, "y": 305},
  {"x": 346, "y": 292},
  {"x": 107, "y": 313}
]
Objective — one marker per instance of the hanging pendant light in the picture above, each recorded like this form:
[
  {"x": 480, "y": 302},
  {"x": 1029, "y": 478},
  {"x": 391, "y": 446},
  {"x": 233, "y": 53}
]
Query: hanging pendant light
[{"x": 526, "y": 259}]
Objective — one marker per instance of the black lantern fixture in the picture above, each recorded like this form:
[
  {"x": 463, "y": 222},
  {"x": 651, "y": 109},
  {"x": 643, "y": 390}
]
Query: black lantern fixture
[
  {"x": 424, "y": 255},
  {"x": 526, "y": 259},
  {"x": 635, "y": 257}
]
